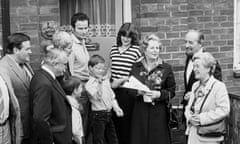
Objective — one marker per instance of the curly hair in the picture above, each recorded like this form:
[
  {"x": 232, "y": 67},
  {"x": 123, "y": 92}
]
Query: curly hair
[
  {"x": 208, "y": 61},
  {"x": 128, "y": 30}
]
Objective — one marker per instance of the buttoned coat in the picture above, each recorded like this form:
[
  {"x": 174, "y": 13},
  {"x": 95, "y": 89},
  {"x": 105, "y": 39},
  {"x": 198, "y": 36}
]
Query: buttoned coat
[
  {"x": 20, "y": 84},
  {"x": 14, "y": 113},
  {"x": 215, "y": 108}
]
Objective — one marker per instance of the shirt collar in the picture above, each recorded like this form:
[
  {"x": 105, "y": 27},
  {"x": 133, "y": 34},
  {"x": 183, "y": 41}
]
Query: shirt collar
[
  {"x": 48, "y": 71},
  {"x": 199, "y": 52},
  {"x": 209, "y": 83},
  {"x": 76, "y": 40}
]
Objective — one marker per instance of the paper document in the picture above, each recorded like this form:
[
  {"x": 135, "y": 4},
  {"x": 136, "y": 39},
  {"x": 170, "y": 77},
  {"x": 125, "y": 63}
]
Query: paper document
[{"x": 134, "y": 83}]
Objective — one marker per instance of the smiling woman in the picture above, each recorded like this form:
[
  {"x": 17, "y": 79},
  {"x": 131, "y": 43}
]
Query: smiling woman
[{"x": 150, "y": 117}]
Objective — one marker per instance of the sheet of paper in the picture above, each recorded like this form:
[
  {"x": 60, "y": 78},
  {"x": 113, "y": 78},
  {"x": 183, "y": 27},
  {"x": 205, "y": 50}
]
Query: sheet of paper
[{"x": 134, "y": 83}]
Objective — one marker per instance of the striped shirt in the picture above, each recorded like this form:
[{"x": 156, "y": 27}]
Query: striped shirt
[{"x": 122, "y": 62}]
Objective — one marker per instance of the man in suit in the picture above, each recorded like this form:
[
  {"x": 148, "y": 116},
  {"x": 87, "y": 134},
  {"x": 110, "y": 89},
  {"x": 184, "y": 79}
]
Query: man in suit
[
  {"x": 50, "y": 109},
  {"x": 194, "y": 46},
  {"x": 15, "y": 62},
  {"x": 10, "y": 120}
]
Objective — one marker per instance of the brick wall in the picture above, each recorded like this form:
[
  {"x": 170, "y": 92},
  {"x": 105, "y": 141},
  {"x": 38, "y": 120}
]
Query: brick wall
[
  {"x": 27, "y": 16},
  {"x": 171, "y": 19}
]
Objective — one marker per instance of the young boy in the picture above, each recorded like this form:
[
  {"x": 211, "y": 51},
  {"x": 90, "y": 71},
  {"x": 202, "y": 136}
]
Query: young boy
[
  {"x": 73, "y": 88},
  {"x": 102, "y": 100}
]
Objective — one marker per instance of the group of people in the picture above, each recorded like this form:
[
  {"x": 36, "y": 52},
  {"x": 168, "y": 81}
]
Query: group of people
[{"x": 71, "y": 97}]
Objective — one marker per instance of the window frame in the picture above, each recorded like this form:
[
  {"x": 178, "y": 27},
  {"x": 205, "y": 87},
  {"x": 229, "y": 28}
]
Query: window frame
[
  {"x": 236, "y": 49},
  {"x": 127, "y": 11}
]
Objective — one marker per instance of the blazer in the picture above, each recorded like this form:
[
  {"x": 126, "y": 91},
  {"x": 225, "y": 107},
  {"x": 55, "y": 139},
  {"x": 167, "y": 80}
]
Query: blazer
[
  {"x": 20, "y": 84},
  {"x": 188, "y": 85},
  {"x": 14, "y": 112},
  {"x": 216, "y": 106},
  {"x": 50, "y": 111}
]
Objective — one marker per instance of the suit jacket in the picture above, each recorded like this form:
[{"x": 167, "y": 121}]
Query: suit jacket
[
  {"x": 14, "y": 112},
  {"x": 50, "y": 111},
  {"x": 20, "y": 84},
  {"x": 215, "y": 108},
  {"x": 188, "y": 85}
]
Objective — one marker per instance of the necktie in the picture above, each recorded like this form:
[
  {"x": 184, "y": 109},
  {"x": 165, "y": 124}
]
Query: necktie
[{"x": 26, "y": 72}]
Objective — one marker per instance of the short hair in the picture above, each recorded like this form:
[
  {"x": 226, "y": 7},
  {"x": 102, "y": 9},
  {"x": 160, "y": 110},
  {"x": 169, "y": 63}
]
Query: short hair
[
  {"x": 15, "y": 40},
  {"x": 53, "y": 55},
  {"x": 208, "y": 61},
  {"x": 95, "y": 59},
  {"x": 147, "y": 39},
  {"x": 70, "y": 84},
  {"x": 79, "y": 17},
  {"x": 128, "y": 30},
  {"x": 62, "y": 40},
  {"x": 200, "y": 35}
]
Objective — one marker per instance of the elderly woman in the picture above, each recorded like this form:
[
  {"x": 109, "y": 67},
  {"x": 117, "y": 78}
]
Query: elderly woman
[
  {"x": 150, "y": 112},
  {"x": 208, "y": 105},
  {"x": 123, "y": 55}
]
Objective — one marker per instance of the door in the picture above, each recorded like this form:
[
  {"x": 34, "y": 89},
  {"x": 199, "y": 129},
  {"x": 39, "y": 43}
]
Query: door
[{"x": 106, "y": 17}]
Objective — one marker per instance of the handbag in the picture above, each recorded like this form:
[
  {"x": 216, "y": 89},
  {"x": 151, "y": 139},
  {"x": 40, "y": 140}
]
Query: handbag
[
  {"x": 216, "y": 129},
  {"x": 212, "y": 130},
  {"x": 172, "y": 115}
]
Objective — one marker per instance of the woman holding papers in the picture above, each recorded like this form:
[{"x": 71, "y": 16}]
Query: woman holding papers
[
  {"x": 123, "y": 55},
  {"x": 150, "y": 112}
]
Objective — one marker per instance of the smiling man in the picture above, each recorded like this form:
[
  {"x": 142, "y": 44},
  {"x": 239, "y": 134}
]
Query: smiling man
[{"x": 16, "y": 63}]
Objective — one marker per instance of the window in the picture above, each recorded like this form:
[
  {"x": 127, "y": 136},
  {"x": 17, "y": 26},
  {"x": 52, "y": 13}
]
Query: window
[{"x": 236, "y": 51}]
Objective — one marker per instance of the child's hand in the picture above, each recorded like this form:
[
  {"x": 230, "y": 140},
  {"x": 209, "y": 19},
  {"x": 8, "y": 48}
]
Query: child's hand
[{"x": 119, "y": 112}]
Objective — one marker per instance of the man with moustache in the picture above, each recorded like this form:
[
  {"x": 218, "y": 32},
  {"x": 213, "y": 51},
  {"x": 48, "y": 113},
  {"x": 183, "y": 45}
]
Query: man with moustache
[
  {"x": 16, "y": 63},
  {"x": 194, "y": 45}
]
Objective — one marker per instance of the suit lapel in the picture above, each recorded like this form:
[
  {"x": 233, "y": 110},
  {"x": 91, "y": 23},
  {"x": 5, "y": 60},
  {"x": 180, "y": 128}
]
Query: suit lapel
[
  {"x": 71, "y": 63},
  {"x": 29, "y": 68},
  {"x": 16, "y": 69}
]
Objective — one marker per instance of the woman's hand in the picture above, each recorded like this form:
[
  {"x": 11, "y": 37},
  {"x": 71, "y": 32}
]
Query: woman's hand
[
  {"x": 153, "y": 94},
  {"x": 117, "y": 82},
  {"x": 195, "y": 120},
  {"x": 140, "y": 93},
  {"x": 188, "y": 95}
]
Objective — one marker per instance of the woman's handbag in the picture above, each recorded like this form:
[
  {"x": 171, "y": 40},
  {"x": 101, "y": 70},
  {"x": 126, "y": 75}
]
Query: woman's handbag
[
  {"x": 216, "y": 129},
  {"x": 212, "y": 130}
]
